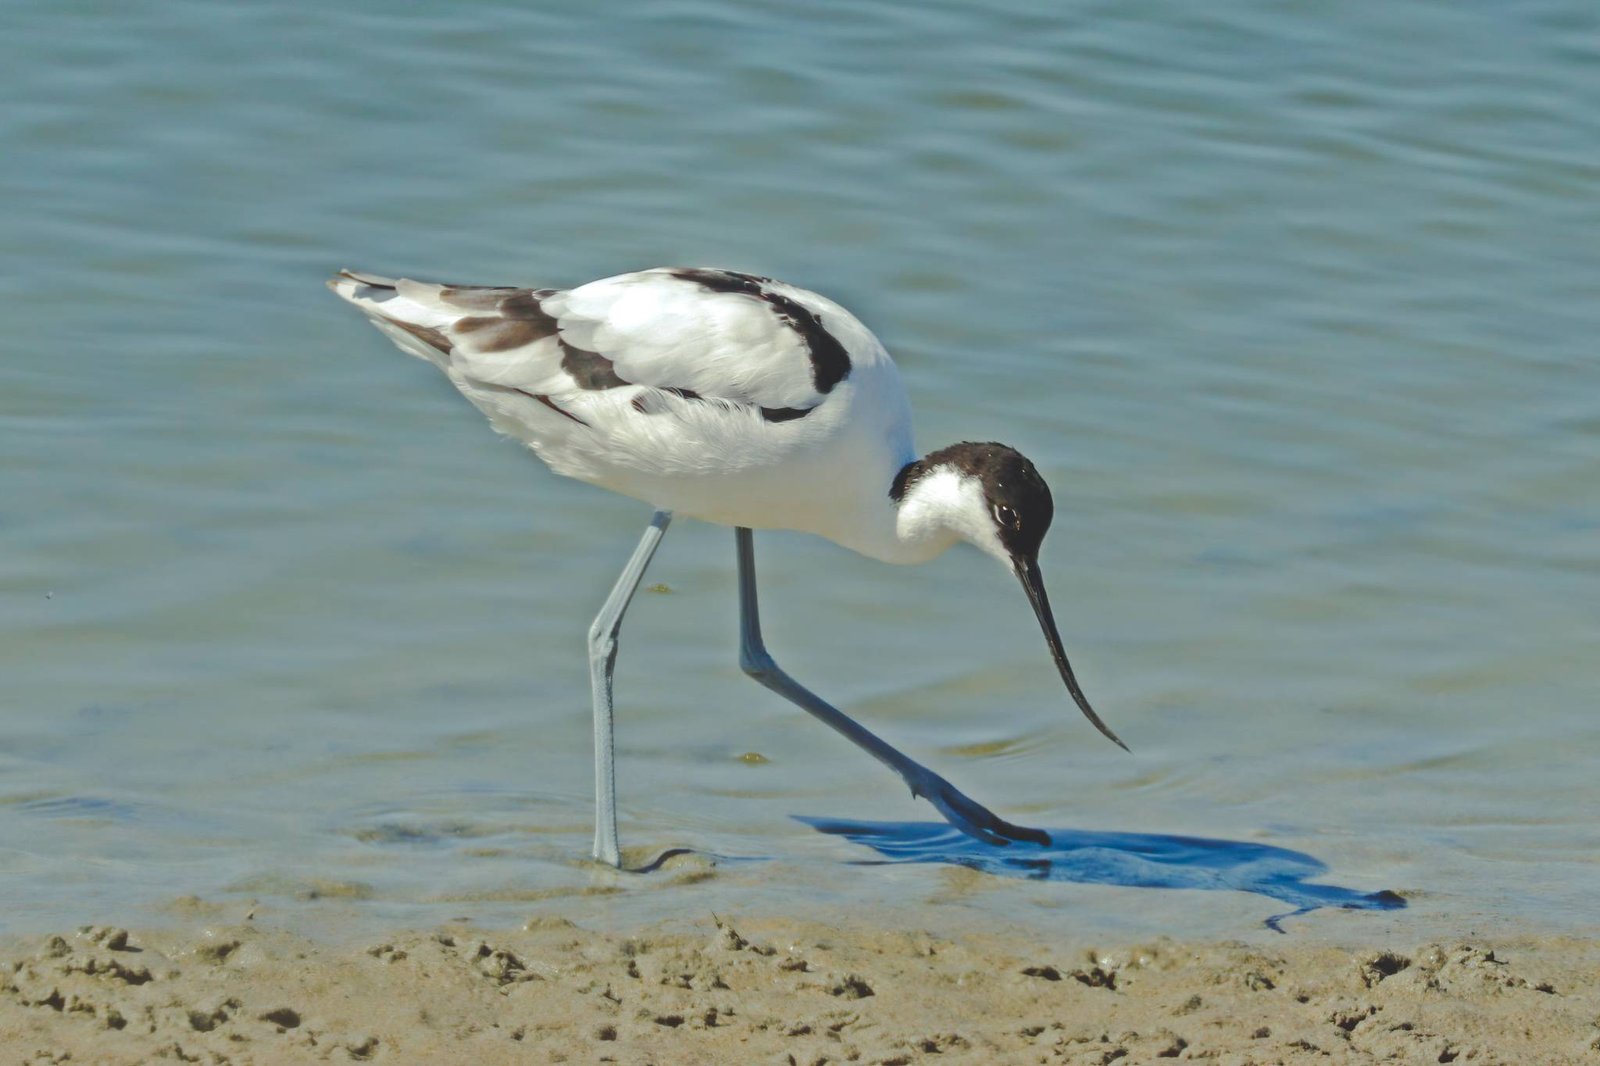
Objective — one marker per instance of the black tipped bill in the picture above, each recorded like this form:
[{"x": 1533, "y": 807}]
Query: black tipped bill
[{"x": 1033, "y": 584}]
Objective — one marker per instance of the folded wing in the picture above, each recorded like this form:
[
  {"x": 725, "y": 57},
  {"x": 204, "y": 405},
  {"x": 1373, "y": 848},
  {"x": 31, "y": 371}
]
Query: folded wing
[{"x": 669, "y": 336}]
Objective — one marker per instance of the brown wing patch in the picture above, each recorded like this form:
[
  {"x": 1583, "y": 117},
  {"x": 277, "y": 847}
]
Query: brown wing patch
[
  {"x": 475, "y": 297},
  {"x": 589, "y": 370},
  {"x": 502, "y": 334},
  {"x": 514, "y": 317},
  {"x": 426, "y": 334}
]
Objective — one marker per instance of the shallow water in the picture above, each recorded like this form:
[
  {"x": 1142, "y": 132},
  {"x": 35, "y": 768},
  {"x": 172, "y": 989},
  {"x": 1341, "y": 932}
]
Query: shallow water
[{"x": 1297, "y": 312}]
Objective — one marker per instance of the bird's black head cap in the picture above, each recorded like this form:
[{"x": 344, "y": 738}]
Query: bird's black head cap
[
  {"x": 1019, "y": 500},
  {"x": 1021, "y": 510}
]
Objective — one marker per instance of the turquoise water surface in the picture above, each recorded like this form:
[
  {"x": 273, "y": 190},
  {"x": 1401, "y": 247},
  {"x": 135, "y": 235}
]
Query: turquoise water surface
[{"x": 1297, "y": 310}]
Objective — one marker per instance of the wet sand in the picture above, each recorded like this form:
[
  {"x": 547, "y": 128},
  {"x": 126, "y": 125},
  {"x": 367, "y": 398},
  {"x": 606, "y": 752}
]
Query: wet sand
[{"x": 219, "y": 987}]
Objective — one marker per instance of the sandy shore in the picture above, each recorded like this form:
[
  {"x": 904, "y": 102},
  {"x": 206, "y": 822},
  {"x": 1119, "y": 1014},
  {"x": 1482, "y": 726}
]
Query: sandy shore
[{"x": 740, "y": 989}]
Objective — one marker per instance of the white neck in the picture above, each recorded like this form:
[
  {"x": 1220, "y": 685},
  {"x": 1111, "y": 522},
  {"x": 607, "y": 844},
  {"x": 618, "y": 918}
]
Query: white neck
[{"x": 939, "y": 508}]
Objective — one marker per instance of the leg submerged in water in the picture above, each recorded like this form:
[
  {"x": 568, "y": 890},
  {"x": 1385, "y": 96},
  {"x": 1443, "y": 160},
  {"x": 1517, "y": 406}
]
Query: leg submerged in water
[{"x": 965, "y": 814}]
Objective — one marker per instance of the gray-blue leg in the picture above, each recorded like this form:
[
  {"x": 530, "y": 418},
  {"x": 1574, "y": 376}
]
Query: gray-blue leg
[
  {"x": 602, "y": 658},
  {"x": 965, "y": 814}
]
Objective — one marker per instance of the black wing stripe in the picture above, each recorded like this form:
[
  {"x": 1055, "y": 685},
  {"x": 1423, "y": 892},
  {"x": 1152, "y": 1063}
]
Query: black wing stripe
[
  {"x": 519, "y": 318},
  {"x": 548, "y": 402},
  {"x": 541, "y": 397},
  {"x": 830, "y": 363},
  {"x": 768, "y": 414}
]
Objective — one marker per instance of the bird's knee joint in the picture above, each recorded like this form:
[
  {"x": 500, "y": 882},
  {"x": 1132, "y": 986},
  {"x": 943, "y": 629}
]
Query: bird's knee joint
[{"x": 758, "y": 665}]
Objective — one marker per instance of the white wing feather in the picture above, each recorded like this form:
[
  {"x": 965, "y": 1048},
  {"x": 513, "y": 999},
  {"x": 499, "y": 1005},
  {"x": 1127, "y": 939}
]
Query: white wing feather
[{"x": 658, "y": 386}]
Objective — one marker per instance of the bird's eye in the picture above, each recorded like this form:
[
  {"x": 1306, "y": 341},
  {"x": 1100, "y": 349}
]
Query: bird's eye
[{"x": 1007, "y": 517}]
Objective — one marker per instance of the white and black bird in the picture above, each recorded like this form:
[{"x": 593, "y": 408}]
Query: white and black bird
[{"x": 738, "y": 400}]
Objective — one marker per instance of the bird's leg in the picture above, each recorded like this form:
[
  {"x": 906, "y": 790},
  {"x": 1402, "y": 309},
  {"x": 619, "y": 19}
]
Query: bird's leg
[
  {"x": 602, "y": 657},
  {"x": 965, "y": 814}
]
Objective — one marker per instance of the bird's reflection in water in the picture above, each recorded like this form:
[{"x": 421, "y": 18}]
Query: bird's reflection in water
[{"x": 1136, "y": 860}]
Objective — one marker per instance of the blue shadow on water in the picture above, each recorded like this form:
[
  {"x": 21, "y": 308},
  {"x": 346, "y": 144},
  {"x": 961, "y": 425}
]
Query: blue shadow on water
[{"x": 1136, "y": 860}]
